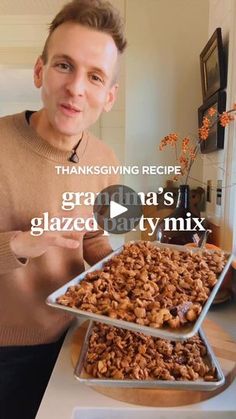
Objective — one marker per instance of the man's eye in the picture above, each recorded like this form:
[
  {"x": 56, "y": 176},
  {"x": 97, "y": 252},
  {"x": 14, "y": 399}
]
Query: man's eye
[
  {"x": 96, "y": 78},
  {"x": 65, "y": 67}
]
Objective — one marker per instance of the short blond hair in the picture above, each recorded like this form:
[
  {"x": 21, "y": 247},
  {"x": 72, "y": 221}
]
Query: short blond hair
[{"x": 100, "y": 15}]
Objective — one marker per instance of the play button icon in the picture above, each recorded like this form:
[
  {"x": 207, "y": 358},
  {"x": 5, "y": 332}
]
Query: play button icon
[{"x": 117, "y": 209}]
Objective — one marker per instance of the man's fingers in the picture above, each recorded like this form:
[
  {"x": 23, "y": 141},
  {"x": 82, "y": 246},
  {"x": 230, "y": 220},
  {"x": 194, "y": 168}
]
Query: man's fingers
[
  {"x": 24, "y": 245},
  {"x": 64, "y": 242},
  {"x": 69, "y": 240}
]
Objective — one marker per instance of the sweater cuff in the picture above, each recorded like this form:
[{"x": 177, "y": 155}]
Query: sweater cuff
[
  {"x": 96, "y": 247},
  {"x": 98, "y": 255},
  {"x": 8, "y": 260},
  {"x": 103, "y": 252}
]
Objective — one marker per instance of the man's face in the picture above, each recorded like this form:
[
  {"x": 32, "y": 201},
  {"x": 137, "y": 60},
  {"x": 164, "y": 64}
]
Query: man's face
[{"x": 77, "y": 80}]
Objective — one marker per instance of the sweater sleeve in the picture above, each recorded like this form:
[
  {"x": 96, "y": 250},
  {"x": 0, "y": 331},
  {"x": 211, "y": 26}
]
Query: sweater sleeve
[
  {"x": 8, "y": 260},
  {"x": 96, "y": 246}
]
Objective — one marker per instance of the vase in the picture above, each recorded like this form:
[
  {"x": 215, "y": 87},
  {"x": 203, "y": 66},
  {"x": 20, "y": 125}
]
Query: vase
[{"x": 179, "y": 218}]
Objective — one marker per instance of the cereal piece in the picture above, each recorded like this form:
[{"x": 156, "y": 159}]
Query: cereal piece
[{"x": 140, "y": 312}]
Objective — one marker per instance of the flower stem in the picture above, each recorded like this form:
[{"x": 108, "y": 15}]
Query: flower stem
[{"x": 195, "y": 151}]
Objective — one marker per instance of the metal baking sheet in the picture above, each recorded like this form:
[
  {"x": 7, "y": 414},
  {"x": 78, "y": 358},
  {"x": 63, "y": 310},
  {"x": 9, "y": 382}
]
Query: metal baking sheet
[
  {"x": 182, "y": 333},
  {"x": 199, "y": 384}
]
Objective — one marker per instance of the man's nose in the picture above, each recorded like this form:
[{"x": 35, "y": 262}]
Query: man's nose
[{"x": 76, "y": 85}]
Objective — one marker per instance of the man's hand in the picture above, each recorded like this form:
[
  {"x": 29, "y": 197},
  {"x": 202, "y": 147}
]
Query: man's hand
[{"x": 24, "y": 245}]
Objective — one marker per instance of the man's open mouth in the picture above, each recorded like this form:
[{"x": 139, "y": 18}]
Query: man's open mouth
[{"x": 70, "y": 109}]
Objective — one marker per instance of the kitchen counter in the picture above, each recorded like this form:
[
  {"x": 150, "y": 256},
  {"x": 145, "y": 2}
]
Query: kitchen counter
[{"x": 64, "y": 393}]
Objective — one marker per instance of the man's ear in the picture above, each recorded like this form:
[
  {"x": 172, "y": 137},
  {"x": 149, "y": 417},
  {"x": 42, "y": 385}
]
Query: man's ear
[
  {"x": 38, "y": 72},
  {"x": 111, "y": 98}
]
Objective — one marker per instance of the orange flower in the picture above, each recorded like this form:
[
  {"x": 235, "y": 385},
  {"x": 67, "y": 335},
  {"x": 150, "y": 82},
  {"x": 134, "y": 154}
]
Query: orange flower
[
  {"x": 206, "y": 122},
  {"x": 204, "y": 133},
  {"x": 185, "y": 144},
  {"x": 189, "y": 151},
  {"x": 183, "y": 161},
  {"x": 192, "y": 153},
  {"x": 162, "y": 144},
  {"x": 170, "y": 139},
  {"x": 225, "y": 119},
  {"x": 211, "y": 111}
]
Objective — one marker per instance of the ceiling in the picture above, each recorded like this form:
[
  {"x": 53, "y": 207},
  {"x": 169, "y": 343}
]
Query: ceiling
[{"x": 30, "y": 7}]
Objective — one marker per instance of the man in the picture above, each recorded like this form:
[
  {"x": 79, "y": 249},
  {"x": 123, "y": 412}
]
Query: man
[{"x": 77, "y": 75}]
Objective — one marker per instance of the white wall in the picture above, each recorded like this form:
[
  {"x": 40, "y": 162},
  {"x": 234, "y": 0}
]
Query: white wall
[
  {"x": 162, "y": 78},
  {"x": 214, "y": 167},
  {"x": 221, "y": 164},
  {"x": 17, "y": 91},
  {"x": 112, "y": 124}
]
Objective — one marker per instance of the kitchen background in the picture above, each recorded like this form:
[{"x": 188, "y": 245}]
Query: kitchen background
[{"x": 160, "y": 88}]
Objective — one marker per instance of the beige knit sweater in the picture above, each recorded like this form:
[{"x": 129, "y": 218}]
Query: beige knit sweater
[{"x": 30, "y": 186}]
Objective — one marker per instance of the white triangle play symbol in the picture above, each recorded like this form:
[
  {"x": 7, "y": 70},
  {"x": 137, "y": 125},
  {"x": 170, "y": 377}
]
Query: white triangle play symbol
[{"x": 116, "y": 209}]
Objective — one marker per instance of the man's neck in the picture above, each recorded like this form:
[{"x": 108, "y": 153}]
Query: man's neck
[{"x": 43, "y": 128}]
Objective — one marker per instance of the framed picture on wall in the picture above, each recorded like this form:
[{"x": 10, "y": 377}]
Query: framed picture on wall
[
  {"x": 212, "y": 63},
  {"x": 215, "y": 140}
]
